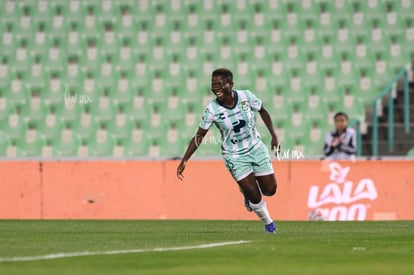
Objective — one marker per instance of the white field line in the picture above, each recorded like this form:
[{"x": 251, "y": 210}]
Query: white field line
[{"x": 115, "y": 252}]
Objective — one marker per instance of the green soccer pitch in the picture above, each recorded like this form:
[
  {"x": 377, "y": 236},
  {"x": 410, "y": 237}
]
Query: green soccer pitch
[{"x": 205, "y": 247}]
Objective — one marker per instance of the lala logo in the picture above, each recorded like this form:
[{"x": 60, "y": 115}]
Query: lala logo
[{"x": 344, "y": 194}]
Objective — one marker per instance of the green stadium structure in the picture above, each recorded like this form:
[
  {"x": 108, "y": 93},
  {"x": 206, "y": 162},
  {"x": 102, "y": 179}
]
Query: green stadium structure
[{"x": 130, "y": 78}]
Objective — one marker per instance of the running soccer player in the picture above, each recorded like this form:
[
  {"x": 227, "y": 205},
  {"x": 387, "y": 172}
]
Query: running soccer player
[{"x": 244, "y": 154}]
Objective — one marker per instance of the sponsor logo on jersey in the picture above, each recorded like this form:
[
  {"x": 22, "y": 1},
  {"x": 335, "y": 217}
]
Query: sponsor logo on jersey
[{"x": 244, "y": 106}]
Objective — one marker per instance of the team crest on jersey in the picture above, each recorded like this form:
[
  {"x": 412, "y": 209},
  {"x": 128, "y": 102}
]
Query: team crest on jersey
[{"x": 244, "y": 105}]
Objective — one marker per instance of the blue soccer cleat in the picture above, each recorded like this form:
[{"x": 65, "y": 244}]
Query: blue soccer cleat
[{"x": 271, "y": 228}]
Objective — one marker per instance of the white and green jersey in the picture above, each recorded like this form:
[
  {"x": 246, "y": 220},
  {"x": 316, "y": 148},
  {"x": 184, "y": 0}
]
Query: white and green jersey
[{"x": 236, "y": 124}]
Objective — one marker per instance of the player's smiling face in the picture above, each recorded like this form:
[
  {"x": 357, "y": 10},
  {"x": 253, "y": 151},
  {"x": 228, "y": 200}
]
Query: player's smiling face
[{"x": 221, "y": 87}]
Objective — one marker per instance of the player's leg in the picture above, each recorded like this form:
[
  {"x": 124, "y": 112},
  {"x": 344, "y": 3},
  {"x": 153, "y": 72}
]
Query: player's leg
[
  {"x": 241, "y": 169},
  {"x": 258, "y": 205},
  {"x": 263, "y": 171},
  {"x": 267, "y": 184},
  {"x": 264, "y": 176},
  {"x": 250, "y": 188}
]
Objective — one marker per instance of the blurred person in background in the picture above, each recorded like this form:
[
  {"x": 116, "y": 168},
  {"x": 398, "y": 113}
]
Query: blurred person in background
[{"x": 341, "y": 143}]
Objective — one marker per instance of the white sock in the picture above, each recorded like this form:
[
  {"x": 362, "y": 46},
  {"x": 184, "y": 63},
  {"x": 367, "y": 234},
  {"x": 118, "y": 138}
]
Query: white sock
[{"x": 261, "y": 211}]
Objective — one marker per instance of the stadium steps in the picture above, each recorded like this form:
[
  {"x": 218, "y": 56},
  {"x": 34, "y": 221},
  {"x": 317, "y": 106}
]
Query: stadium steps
[{"x": 402, "y": 142}]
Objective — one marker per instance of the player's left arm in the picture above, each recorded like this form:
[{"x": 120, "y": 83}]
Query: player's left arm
[{"x": 264, "y": 114}]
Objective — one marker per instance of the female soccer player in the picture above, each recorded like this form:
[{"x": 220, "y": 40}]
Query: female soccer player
[{"x": 245, "y": 155}]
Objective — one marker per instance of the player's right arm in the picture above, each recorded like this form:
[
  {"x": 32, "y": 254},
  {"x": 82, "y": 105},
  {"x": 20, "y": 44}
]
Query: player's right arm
[
  {"x": 192, "y": 147},
  {"x": 205, "y": 124}
]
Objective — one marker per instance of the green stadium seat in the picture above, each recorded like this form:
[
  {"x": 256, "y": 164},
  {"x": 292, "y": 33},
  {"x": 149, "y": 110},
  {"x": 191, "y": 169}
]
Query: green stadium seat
[
  {"x": 17, "y": 93},
  {"x": 58, "y": 23},
  {"x": 298, "y": 89},
  {"x": 42, "y": 9},
  {"x": 312, "y": 71},
  {"x": 316, "y": 137},
  {"x": 32, "y": 143},
  {"x": 72, "y": 75},
  {"x": 74, "y": 39},
  {"x": 102, "y": 143},
  {"x": 14, "y": 127},
  {"x": 347, "y": 69},
  {"x": 37, "y": 77},
  {"x": 125, "y": 58},
  {"x": 4, "y": 144},
  {"x": 367, "y": 91},
  {"x": 315, "y": 109},
  {"x": 71, "y": 107},
  {"x": 294, "y": 58},
  {"x": 410, "y": 153},
  {"x": 5, "y": 106},
  {"x": 8, "y": 10},
  {"x": 363, "y": 57},
  {"x": 24, "y": 26},
  {"x": 405, "y": 9},
  {"x": 393, "y": 23},
  {"x": 82, "y": 150},
  {"x": 379, "y": 40},
  {"x": 91, "y": 26},
  {"x": 409, "y": 32},
  {"x": 35, "y": 110},
  {"x": 309, "y": 10},
  {"x": 92, "y": 58},
  {"x": 326, "y": 25},
  {"x": 358, "y": 22},
  {"x": 138, "y": 108},
  {"x": 328, "y": 58},
  {"x": 173, "y": 145},
  {"x": 354, "y": 107},
  {"x": 137, "y": 146},
  {"x": 22, "y": 59},
  {"x": 375, "y": 9},
  {"x": 328, "y": 96},
  {"x": 398, "y": 54},
  {"x": 345, "y": 40},
  {"x": 5, "y": 72},
  {"x": 119, "y": 148},
  {"x": 56, "y": 56},
  {"x": 297, "y": 128},
  {"x": 13, "y": 150},
  {"x": 48, "y": 149},
  {"x": 309, "y": 41},
  {"x": 50, "y": 127},
  {"x": 9, "y": 41},
  {"x": 86, "y": 125},
  {"x": 382, "y": 72},
  {"x": 120, "y": 126},
  {"x": 66, "y": 143}
]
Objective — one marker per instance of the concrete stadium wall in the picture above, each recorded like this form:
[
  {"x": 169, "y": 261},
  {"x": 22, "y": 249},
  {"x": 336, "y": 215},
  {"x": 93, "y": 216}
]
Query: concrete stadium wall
[{"x": 361, "y": 190}]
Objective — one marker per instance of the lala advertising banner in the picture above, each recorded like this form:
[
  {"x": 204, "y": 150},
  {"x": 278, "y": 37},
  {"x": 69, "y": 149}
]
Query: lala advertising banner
[{"x": 307, "y": 190}]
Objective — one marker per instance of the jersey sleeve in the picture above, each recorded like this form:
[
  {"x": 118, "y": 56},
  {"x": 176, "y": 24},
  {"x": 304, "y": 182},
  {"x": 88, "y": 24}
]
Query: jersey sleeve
[
  {"x": 207, "y": 119},
  {"x": 255, "y": 102}
]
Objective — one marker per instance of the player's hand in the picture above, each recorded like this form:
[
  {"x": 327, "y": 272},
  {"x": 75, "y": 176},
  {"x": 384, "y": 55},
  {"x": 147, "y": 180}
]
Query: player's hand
[
  {"x": 275, "y": 145},
  {"x": 180, "y": 170}
]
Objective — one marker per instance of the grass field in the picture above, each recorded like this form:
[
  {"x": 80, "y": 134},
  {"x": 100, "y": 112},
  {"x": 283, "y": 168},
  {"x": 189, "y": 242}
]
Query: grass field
[{"x": 297, "y": 248}]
